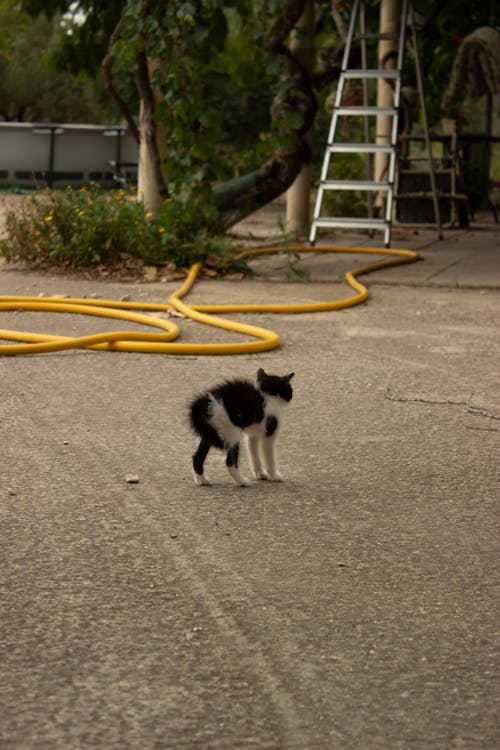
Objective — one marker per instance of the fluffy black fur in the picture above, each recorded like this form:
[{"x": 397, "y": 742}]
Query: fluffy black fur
[
  {"x": 275, "y": 385},
  {"x": 221, "y": 415},
  {"x": 241, "y": 400}
]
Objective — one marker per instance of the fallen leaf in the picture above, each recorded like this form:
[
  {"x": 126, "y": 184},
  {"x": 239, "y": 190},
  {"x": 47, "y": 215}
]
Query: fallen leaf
[
  {"x": 133, "y": 263},
  {"x": 173, "y": 275},
  {"x": 173, "y": 313},
  {"x": 212, "y": 260},
  {"x": 150, "y": 272}
]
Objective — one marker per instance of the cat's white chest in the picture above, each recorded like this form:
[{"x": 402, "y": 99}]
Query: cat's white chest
[{"x": 274, "y": 406}]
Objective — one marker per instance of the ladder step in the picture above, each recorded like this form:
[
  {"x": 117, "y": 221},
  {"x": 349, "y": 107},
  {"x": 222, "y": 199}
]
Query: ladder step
[
  {"x": 361, "y": 148},
  {"x": 355, "y": 185},
  {"x": 387, "y": 73},
  {"x": 353, "y": 111},
  {"x": 374, "y": 142},
  {"x": 350, "y": 222}
]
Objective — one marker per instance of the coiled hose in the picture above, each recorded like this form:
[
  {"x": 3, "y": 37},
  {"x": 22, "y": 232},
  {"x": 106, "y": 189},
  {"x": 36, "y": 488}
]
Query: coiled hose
[{"x": 165, "y": 342}]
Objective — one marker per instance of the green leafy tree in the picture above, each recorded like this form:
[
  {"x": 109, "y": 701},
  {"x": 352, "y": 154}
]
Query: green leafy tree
[
  {"x": 30, "y": 87},
  {"x": 182, "y": 54},
  {"x": 174, "y": 48},
  {"x": 177, "y": 51}
]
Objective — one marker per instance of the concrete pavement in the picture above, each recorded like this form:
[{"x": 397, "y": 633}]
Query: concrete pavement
[{"x": 352, "y": 606}]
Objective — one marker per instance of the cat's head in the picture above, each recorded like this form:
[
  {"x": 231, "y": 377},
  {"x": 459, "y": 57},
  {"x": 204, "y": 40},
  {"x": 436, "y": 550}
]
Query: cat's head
[{"x": 275, "y": 385}]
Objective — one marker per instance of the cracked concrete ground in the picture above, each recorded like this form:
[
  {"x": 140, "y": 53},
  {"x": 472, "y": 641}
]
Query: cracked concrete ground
[{"x": 354, "y": 605}]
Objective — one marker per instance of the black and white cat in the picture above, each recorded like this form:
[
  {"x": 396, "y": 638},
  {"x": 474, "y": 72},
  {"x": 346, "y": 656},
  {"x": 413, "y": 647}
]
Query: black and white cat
[{"x": 239, "y": 411}]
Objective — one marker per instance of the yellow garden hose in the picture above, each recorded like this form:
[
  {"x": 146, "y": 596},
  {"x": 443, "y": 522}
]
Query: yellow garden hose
[{"x": 164, "y": 342}]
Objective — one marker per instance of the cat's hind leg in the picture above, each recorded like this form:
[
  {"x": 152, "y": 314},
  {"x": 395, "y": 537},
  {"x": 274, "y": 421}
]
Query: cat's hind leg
[
  {"x": 198, "y": 462},
  {"x": 232, "y": 466}
]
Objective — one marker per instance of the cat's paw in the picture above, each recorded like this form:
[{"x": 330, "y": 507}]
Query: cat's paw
[
  {"x": 238, "y": 478},
  {"x": 260, "y": 474},
  {"x": 201, "y": 480},
  {"x": 275, "y": 477}
]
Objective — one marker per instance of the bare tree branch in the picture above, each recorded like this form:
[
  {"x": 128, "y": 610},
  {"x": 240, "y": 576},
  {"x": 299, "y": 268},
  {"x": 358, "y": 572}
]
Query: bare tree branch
[
  {"x": 107, "y": 73},
  {"x": 339, "y": 21}
]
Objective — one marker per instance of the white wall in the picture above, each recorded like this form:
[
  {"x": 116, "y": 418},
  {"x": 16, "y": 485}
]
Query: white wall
[{"x": 81, "y": 154}]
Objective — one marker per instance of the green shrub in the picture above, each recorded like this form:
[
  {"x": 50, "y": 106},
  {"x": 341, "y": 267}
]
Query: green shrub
[
  {"x": 89, "y": 226},
  {"x": 346, "y": 202}
]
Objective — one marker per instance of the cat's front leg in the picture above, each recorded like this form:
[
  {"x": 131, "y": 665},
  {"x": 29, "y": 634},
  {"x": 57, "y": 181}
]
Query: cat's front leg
[
  {"x": 270, "y": 450},
  {"x": 201, "y": 480},
  {"x": 272, "y": 472},
  {"x": 255, "y": 458}
]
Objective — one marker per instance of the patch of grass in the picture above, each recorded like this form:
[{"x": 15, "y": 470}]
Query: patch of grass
[{"x": 88, "y": 227}]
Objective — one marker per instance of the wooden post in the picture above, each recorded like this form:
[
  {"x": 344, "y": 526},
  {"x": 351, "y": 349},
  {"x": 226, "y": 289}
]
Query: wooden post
[
  {"x": 298, "y": 196},
  {"x": 387, "y": 54}
]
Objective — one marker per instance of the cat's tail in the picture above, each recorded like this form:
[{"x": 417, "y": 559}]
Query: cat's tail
[{"x": 200, "y": 412}]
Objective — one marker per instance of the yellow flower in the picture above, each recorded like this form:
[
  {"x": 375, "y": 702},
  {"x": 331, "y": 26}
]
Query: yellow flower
[
  {"x": 149, "y": 215},
  {"x": 83, "y": 189},
  {"x": 80, "y": 213},
  {"x": 90, "y": 203},
  {"x": 48, "y": 218},
  {"x": 161, "y": 229}
]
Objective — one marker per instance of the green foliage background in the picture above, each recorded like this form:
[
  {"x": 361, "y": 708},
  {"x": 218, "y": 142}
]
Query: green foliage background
[
  {"x": 218, "y": 86},
  {"x": 86, "y": 227}
]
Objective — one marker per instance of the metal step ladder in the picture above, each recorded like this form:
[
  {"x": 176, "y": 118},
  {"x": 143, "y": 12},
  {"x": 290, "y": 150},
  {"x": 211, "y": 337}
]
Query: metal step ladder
[{"x": 393, "y": 77}]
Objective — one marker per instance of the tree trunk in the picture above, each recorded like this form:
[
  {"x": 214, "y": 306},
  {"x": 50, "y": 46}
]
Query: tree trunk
[
  {"x": 387, "y": 54},
  {"x": 242, "y": 196},
  {"x": 147, "y": 186},
  {"x": 152, "y": 184},
  {"x": 298, "y": 197}
]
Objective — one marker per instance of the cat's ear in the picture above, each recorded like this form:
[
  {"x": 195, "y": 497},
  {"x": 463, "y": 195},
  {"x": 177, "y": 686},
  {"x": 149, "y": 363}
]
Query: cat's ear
[
  {"x": 289, "y": 376},
  {"x": 261, "y": 373}
]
